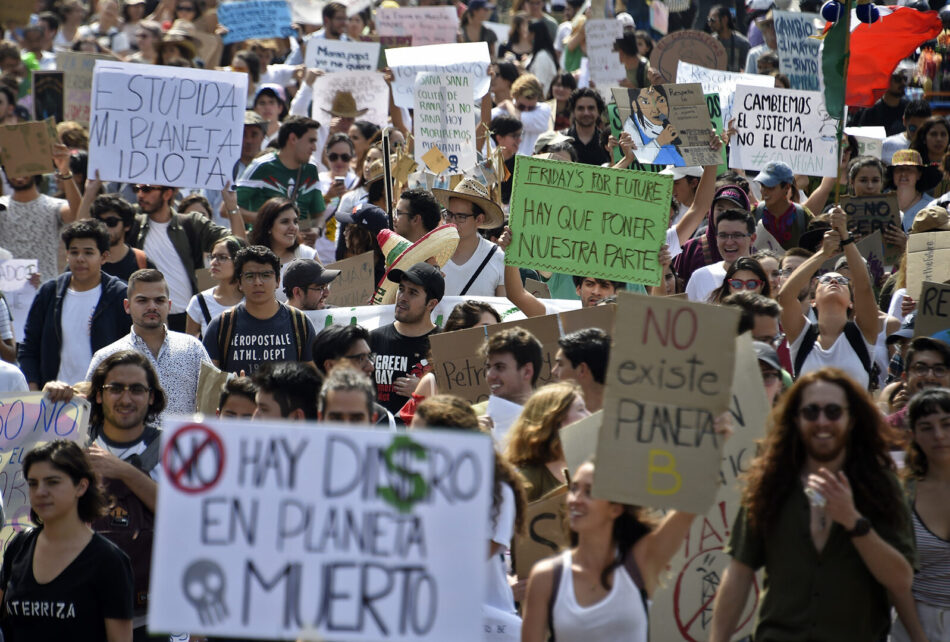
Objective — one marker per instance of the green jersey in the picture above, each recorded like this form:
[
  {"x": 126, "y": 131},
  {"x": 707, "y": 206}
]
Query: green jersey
[{"x": 266, "y": 177}]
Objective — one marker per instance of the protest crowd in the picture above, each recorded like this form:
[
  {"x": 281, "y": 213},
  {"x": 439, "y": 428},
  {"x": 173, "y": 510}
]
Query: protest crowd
[{"x": 653, "y": 295}]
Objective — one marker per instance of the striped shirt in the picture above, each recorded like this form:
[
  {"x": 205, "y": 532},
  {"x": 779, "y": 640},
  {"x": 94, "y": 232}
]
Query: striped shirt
[{"x": 932, "y": 581}]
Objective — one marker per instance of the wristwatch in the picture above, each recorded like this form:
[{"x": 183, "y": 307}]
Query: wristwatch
[{"x": 861, "y": 527}]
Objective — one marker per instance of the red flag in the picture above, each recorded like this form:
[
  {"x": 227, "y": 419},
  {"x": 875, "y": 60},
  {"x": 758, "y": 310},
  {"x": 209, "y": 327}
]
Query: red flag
[{"x": 877, "y": 48}]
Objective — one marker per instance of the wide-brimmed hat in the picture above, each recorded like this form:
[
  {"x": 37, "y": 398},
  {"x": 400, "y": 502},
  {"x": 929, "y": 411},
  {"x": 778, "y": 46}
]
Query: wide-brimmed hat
[
  {"x": 440, "y": 244},
  {"x": 813, "y": 236},
  {"x": 932, "y": 218},
  {"x": 344, "y": 106},
  {"x": 181, "y": 33},
  {"x": 930, "y": 175},
  {"x": 474, "y": 192},
  {"x": 374, "y": 172}
]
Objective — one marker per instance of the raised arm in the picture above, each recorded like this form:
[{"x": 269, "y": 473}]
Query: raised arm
[
  {"x": 793, "y": 322},
  {"x": 865, "y": 305},
  {"x": 514, "y": 288},
  {"x": 73, "y": 197}
]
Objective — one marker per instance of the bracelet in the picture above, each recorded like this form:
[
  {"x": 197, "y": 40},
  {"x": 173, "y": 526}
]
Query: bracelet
[
  {"x": 234, "y": 211},
  {"x": 64, "y": 177},
  {"x": 848, "y": 240}
]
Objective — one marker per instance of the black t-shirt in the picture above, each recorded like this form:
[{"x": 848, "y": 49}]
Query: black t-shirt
[
  {"x": 255, "y": 342},
  {"x": 124, "y": 268},
  {"x": 397, "y": 356},
  {"x": 882, "y": 115},
  {"x": 74, "y": 606},
  {"x": 591, "y": 153}
]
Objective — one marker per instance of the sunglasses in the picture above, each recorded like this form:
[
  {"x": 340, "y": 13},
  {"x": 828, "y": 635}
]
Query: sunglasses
[
  {"x": 334, "y": 157},
  {"x": 747, "y": 284},
  {"x": 523, "y": 107},
  {"x": 831, "y": 411},
  {"x": 834, "y": 278},
  {"x": 111, "y": 221},
  {"x": 145, "y": 189}
]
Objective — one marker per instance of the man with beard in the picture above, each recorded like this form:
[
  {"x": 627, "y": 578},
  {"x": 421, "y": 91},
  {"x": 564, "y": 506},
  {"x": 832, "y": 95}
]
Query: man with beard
[
  {"x": 30, "y": 221},
  {"x": 176, "y": 356},
  {"x": 824, "y": 471},
  {"x": 888, "y": 111},
  {"x": 587, "y": 108},
  {"x": 307, "y": 284},
  {"x": 176, "y": 243},
  {"x": 928, "y": 366},
  {"x": 402, "y": 347},
  {"x": 118, "y": 215}
]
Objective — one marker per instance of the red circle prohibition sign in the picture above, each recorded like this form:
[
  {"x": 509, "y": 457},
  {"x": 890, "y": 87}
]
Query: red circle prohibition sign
[{"x": 189, "y": 447}]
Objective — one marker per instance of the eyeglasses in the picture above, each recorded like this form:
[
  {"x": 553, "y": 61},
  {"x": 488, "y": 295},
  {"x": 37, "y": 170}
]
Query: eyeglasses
[
  {"x": 250, "y": 277},
  {"x": 363, "y": 357},
  {"x": 732, "y": 236},
  {"x": 453, "y": 216},
  {"x": 135, "y": 389},
  {"x": 523, "y": 107},
  {"x": 922, "y": 370},
  {"x": 111, "y": 221},
  {"x": 334, "y": 157},
  {"x": 145, "y": 189},
  {"x": 772, "y": 341},
  {"x": 831, "y": 411},
  {"x": 319, "y": 288},
  {"x": 745, "y": 284},
  {"x": 223, "y": 258},
  {"x": 834, "y": 278}
]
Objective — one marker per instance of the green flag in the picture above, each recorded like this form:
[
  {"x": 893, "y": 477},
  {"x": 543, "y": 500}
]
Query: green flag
[{"x": 833, "y": 49}]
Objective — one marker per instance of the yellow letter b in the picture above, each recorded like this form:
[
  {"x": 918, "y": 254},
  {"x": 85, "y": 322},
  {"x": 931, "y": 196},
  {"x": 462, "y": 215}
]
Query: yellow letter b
[{"x": 662, "y": 462}]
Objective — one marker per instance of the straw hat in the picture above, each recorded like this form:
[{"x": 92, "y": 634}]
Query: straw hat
[
  {"x": 181, "y": 33},
  {"x": 474, "y": 192},
  {"x": 932, "y": 218},
  {"x": 344, "y": 106},
  {"x": 399, "y": 253},
  {"x": 374, "y": 172},
  {"x": 930, "y": 175}
]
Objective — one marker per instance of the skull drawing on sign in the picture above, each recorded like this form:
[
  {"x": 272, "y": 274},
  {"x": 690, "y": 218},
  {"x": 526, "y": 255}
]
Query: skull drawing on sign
[{"x": 203, "y": 584}]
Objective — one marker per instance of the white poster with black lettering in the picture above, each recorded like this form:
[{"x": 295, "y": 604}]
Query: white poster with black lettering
[
  {"x": 15, "y": 275},
  {"x": 722, "y": 82},
  {"x": 341, "y": 55},
  {"x": 368, "y": 89},
  {"x": 165, "y": 125},
  {"x": 783, "y": 125},
  {"x": 444, "y": 118},
  {"x": 467, "y": 58},
  {"x": 280, "y": 531}
]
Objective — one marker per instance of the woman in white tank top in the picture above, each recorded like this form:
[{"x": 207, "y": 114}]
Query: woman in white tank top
[{"x": 599, "y": 590}]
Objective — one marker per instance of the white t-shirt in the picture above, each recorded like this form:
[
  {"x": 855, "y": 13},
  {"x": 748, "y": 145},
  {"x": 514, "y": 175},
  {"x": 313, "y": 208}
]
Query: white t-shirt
[
  {"x": 214, "y": 309},
  {"x": 6, "y": 326},
  {"x": 493, "y": 275},
  {"x": 11, "y": 379},
  {"x": 75, "y": 325},
  {"x": 704, "y": 281},
  {"x": 840, "y": 355},
  {"x": 497, "y": 590},
  {"x": 160, "y": 250}
]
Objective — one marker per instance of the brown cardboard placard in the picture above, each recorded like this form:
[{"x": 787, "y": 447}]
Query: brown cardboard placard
[
  {"x": 765, "y": 241},
  {"x": 77, "y": 68},
  {"x": 16, "y": 12},
  {"x": 670, "y": 374},
  {"x": 869, "y": 214},
  {"x": 546, "y": 533},
  {"x": 26, "y": 149},
  {"x": 871, "y": 248},
  {"x": 677, "y": 108},
  {"x": 537, "y": 288},
  {"x": 205, "y": 280},
  {"x": 928, "y": 259},
  {"x": 436, "y": 161},
  {"x": 579, "y": 440},
  {"x": 210, "y": 384},
  {"x": 599, "y": 316},
  {"x": 355, "y": 284},
  {"x": 696, "y": 47},
  {"x": 48, "y": 92},
  {"x": 933, "y": 312}
]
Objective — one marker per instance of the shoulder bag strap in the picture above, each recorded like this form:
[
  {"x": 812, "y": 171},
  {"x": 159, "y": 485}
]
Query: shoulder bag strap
[
  {"x": 478, "y": 271},
  {"x": 557, "y": 568},
  {"x": 204, "y": 307},
  {"x": 808, "y": 342},
  {"x": 854, "y": 336}
]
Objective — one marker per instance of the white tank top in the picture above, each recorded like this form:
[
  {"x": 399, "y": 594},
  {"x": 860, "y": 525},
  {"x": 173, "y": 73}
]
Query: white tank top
[{"x": 619, "y": 617}]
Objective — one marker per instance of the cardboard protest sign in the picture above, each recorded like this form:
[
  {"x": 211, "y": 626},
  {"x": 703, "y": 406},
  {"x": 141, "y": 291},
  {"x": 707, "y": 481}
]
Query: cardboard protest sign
[
  {"x": 469, "y": 59},
  {"x": 426, "y": 25},
  {"x": 669, "y": 124},
  {"x": 870, "y": 140},
  {"x": 356, "y": 283},
  {"x": 368, "y": 88},
  {"x": 48, "y": 95},
  {"x": 210, "y": 384},
  {"x": 764, "y": 240},
  {"x": 682, "y": 606},
  {"x": 871, "y": 248},
  {"x": 602, "y": 62},
  {"x": 26, "y": 149},
  {"x": 799, "y": 54},
  {"x": 26, "y": 420},
  {"x": 722, "y": 82},
  {"x": 342, "y": 55},
  {"x": 696, "y": 47},
  {"x": 444, "y": 118},
  {"x": 16, "y": 12},
  {"x": 579, "y": 440},
  {"x": 933, "y": 312},
  {"x": 599, "y": 316},
  {"x": 546, "y": 531},
  {"x": 204, "y": 279},
  {"x": 166, "y": 125},
  {"x": 460, "y": 370},
  {"x": 594, "y": 221},
  {"x": 538, "y": 288},
  {"x": 783, "y": 125},
  {"x": 928, "y": 259},
  {"x": 280, "y": 531},
  {"x": 670, "y": 374},
  {"x": 77, "y": 71},
  {"x": 869, "y": 214},
  {"x": 15, "y": 284},
  {"x": 247, "y": 19},
  {"x": 616, "y": 129}
]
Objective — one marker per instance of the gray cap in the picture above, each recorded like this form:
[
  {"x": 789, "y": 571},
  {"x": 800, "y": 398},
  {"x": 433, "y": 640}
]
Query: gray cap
[{"x": 767, "y": 354}]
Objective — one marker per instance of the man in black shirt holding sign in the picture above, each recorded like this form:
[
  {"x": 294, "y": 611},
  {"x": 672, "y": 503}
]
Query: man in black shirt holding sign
[{"x": 402, "y": 347}]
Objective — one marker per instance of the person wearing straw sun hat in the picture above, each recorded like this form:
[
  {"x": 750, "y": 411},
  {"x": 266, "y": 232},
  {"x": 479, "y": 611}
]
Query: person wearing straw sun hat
[
  {"x": 435, "y": 248},
  {"x": 477, "y": 267},
  {"x": 911, "y": 179},
  {"x": 344, "y": 111}
]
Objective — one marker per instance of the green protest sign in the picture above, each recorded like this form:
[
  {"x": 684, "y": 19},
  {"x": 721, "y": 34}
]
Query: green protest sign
[{"x": 592, "y": 221}]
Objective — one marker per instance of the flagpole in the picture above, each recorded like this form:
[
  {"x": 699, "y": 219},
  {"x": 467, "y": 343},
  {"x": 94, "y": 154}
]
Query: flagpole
[{"x": 844, "y": 97}]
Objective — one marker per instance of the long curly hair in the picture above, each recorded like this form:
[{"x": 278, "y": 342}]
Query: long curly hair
[
  {"x": 774, "y": 474},
  {"x": 533, "y": 439}
]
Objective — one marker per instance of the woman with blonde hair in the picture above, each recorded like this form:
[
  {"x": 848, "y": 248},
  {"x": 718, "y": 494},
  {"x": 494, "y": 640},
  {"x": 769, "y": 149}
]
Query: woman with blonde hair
[{"x": 534, "y": 445}]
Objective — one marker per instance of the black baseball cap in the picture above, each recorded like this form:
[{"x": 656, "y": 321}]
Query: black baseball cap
[
  {"x": 304, "y": 272},
  {"x": 371, "y": 217},
  {"x": 424, "y": 274}
]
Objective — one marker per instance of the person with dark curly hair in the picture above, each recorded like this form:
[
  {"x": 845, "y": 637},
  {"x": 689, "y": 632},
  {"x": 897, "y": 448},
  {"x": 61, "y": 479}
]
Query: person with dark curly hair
[{"x": 824, "y": 514}]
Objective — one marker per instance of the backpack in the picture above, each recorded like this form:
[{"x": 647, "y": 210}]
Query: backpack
[
  {"x": 140, "y": 258},
  {"x": 129, "y": 524},
  {"x": 853, "y": 334},
  {"x": 628, "y": 563},
  {"x": 226, "y": 331}
]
